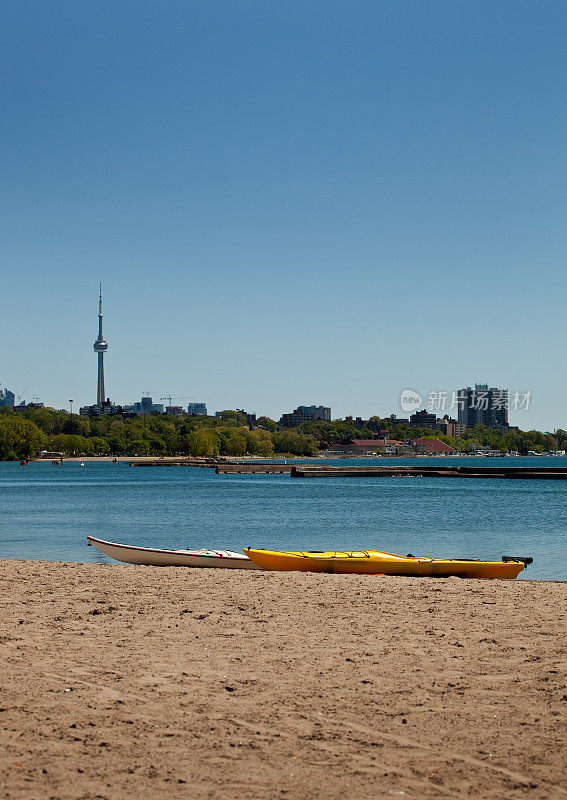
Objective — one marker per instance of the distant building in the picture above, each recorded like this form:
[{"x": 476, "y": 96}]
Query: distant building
[
  {"x": 28, "y": 406},
  {"x": 423, "y": 419},
  {"x": 250, "y": 418},
  {"x": 450, "y": 427},
  {"x": 106, "y": 408},
  {"x": 433, "y": 447},
  {"x": 174, "y": 411},
  {"x": 363, "y": 446},
  {"x": 143, "y": 406},
  {"x": 7, "y": 398},
  {"x": 483, "y": 406},
  {"x": 146, "y": 405},
  {"x": 305, "y": 414},
  {"x": 357, "y": 422},
  {"x": 197, "y": 409}
]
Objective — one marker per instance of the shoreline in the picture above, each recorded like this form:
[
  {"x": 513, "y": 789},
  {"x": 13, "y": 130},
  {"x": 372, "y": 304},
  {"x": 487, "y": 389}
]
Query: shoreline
[
  {"x": 127, "y": 680},
  {"x": 116, "y": 564},
  {"x": 268, "y": 459}
]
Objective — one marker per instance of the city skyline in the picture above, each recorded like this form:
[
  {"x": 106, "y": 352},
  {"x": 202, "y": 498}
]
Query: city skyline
[
  {"x": 491, "y": 409},
  {"x": 313, "y": 204},
  {"x": 487, "y": 411}
]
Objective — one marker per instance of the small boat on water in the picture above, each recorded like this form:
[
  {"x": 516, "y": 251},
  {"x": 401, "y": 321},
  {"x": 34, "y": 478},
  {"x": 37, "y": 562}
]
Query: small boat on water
[
  {"x": 150, "y": 556},
  {"x": 377, "y": 562}
]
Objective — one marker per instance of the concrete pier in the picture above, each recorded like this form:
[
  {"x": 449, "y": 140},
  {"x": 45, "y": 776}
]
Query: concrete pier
[
  {"x": 221, "y": 467},
  {"x": 174, "y": 462},
  {"x": 254, "y": 469},
  {"x": 382, "y": 471},
  {"x": 426, "y": 470}
]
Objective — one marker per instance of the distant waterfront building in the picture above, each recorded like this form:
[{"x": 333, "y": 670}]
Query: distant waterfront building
[
  {"x": 106, "y": 408},
  {"x": 28, "y": 406},
  {"x": 362, "y": 447},
  {"x": 423, "y": 419},
  {"x": 146, "y": 405},
  {"x": 305, "y": 414},
  {"x": 433, "y": 447},
  {"x": 7, "y": 398},
  {"x": 174, "y": 411},
  {"x": 197, "y": 409},
  {"x": 250, "y": 418},
  {"x": 450, "y": 427},
  {"x": 356, "y": 422},
  {"x": 483, "y": 406}
]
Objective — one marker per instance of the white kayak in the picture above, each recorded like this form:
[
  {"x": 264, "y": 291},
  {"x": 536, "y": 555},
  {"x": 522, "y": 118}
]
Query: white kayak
[{"x": 152, "y": 557}]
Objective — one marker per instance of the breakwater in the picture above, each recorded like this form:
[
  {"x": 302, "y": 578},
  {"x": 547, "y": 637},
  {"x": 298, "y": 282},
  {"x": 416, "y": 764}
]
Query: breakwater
[
  {"x": 390, "y": 471},
  {"x": 374, "y": 471},
  {"x": 254, "y": 469},
  {"x": 429, "y": 471},
  {"x": 221, "y": 467},
  {"x": 175, "y": 462}
]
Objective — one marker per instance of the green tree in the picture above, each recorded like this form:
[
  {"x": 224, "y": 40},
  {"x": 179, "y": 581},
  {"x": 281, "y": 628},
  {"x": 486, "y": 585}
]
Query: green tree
[
  {"x": 232, "y": 442},
  {"x": 289, "y": 441},
  {"x": 267, "y": 423},
  {"x": 232, "y": 417},
  {"x": 259, "y": 442},
  {"x": 200, "y": 443},
  {"x": 19, "y": 437}
]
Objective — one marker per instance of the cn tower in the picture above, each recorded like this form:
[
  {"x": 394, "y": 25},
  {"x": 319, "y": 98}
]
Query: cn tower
[{"x": 100, "y": 347}]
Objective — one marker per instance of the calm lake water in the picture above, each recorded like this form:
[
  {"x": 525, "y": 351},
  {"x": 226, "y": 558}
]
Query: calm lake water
[{"x": 48, "y": 511}]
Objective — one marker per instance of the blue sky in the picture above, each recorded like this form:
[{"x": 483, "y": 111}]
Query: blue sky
[{"x": 293, "y": 203}]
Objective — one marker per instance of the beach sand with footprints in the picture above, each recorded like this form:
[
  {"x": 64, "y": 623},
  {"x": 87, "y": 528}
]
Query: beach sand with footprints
[{"x": 125, "y": 681}]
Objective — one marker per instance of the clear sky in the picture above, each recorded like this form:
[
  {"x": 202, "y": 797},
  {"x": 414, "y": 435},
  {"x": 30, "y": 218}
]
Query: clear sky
[{"x": 287, "y": 203}]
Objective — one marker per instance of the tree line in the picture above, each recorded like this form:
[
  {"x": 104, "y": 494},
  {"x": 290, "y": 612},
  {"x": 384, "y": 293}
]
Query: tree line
[
  {"x": 476, "y": 438},
  {"x": 24, "y": 433}
]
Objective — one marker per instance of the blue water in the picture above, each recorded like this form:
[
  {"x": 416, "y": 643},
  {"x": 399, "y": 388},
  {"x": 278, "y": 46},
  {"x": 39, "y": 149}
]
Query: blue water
[{"x": 48, "y": 511}]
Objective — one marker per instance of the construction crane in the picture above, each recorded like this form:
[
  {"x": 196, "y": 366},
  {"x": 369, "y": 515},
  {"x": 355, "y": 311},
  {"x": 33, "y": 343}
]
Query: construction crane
[{"x": 171, "y": 398}]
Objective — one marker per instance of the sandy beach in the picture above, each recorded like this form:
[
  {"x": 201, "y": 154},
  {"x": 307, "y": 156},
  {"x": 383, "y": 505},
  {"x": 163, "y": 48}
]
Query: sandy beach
[{"x": 123, "y": 681}]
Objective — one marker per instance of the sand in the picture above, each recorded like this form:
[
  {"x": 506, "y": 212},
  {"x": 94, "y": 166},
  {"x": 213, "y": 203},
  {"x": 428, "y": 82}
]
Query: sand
[{"x": 124, "y": 681}]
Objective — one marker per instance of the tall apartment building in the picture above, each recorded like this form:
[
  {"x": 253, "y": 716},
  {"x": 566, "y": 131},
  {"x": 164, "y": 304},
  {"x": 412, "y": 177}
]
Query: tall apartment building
[
  {"x": 423, "y": 419},
  {"x": 146, "y": 404},
  {"x": 450, "y": 427},
  {"x": 174, "y": 411},
  {"x": 250, "y": 417},
  {"x": 7, "y": 398},
  {"x": 305, "y": 414},
  {"x": 483, "y": 406},
  {"x": 197, "y": 409}
]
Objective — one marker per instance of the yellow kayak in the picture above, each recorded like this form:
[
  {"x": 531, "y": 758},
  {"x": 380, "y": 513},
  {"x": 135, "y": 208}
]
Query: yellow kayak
[{"x": 376, "y": 562}]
